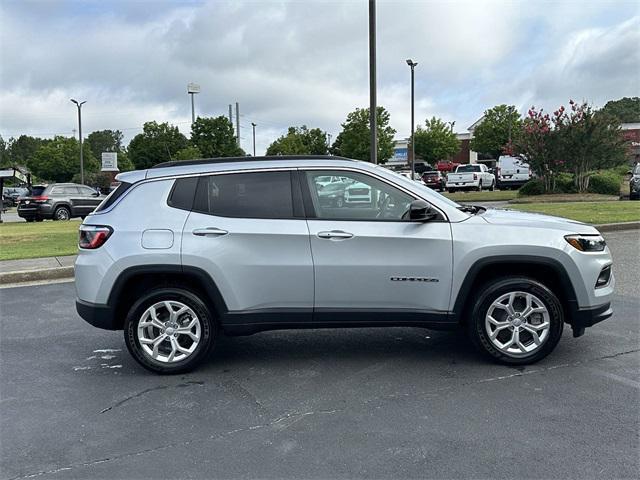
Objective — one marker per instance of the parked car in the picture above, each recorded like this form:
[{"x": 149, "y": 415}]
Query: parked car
[
  {"x": 59, "y": 201},
  {"x": 357, "y": 193},
  {"x": 186, "y": 251},
  {"x": 12, "y": 194},
  {"x": 332, "y": 194},
  {"x": 634, "y": 183},
  {"x": 511, "y": 173},
  {"x": 434, "y": 179},
  {"x": 470, "y": 177}
]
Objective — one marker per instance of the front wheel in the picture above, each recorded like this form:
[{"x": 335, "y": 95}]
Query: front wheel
[
  {"x": 169, "y": 330},
  {"x": 516, "y": 321}
]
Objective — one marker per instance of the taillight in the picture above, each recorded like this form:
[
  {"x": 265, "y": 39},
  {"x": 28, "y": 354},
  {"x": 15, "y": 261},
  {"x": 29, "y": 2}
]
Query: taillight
[
  {"x": 475, "y": 176},
  {"x": 40, "y": 199},
  {"x": 93, "y": 236}
]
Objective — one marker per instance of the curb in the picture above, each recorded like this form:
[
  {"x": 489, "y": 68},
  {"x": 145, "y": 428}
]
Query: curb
[
  {"x": 615, "y": 227},
  {"x": 35, "y": 275}
]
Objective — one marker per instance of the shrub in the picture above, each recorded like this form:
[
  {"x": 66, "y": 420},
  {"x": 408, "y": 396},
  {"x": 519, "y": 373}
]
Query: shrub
[
  {"x": 535, "y": 186},
  {"x": 606, "y": 183},
  {"x": 565, "y": 183}
]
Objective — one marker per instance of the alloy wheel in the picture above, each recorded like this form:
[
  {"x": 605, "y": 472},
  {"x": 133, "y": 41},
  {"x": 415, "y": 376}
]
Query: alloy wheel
[
  {"x": 518, "y": 323},
  {"x": 169, "y": 331}
]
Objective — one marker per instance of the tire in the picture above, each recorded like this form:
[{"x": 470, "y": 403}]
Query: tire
[
  {"x": 29, "y": 220},
  {"x": 451, "y": 190},
  {"x": 138, "y": 337},
  {"x": 479, "y": 189},
  {"x": 493, "y": 186},
  {"x": 62, "y": 213},
  {"x": 501, "y": 348}
]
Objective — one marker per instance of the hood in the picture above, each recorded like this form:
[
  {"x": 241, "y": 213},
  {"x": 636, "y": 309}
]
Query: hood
[{"x": 535, "y": 220}]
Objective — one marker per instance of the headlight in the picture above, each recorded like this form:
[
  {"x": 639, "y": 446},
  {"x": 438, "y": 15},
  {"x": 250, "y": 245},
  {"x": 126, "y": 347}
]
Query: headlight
[{"x": 586, "y": 243}]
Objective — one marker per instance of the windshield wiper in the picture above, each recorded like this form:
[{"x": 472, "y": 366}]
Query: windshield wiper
[{"x": 473, "y": 209}]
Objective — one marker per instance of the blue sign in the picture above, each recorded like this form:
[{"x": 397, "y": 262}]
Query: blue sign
[{"x": 400, "y": 154}]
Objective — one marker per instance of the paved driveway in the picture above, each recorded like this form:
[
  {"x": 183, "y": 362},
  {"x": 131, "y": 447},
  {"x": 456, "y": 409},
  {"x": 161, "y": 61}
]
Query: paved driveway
[{"x": 374, "y": 403}]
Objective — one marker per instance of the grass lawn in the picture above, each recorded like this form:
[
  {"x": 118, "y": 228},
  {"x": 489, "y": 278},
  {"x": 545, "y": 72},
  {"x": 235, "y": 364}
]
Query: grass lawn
[
  {"x": 485, "y": 196},
  {"x": 566, "y": 197},
  {"x": 39, "y": 239},
  {"x": 589, "y": 212}
]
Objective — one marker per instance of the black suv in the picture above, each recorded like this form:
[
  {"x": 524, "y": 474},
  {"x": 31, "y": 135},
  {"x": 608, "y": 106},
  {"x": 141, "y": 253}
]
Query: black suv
[{"x": 59, "y": 201}]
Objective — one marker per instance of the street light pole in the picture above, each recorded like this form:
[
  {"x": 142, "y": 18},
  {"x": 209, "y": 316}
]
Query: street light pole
[
  {"x": 373, "y": 101},
  {"x": 253, "y": 125},
  {"x": 412, "y": 64},
  {"x": 79, "y": 105},
  {"x": 193, "y": 89}
]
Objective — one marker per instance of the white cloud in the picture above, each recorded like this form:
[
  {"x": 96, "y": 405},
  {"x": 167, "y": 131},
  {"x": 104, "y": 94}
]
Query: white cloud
[{"x": 290, "y": 63}]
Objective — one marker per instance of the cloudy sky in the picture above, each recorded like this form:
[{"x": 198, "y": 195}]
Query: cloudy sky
[{"x": 304, "y": 62}]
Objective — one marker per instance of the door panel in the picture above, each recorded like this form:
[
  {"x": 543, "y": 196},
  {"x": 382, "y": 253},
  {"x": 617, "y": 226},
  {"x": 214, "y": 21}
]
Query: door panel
[
  {"x": 383, "y": 265},
  {"x": 366, "y": 256}
]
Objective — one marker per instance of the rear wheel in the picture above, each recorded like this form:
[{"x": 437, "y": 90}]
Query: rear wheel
[
  {"x": 516, "y": 321},
  {"x": 169, "y": 330},
  {"x": 62, "y": 213}
]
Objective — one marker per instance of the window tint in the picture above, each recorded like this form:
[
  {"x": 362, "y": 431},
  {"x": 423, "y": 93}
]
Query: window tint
[
  {"x": 70, "y": 190},
  {"x": 356, "y": 197},
  {"x": 87, "y": 190},
  {"x": 56, "y": 191},
  {"x": 183, "y": 192},
  {"x": 249, "y": 195}
]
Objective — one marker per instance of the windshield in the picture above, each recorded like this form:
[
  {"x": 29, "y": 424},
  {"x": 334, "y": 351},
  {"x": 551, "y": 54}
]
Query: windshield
[
  {"x": 426, "y": 191},
  {"x": 468, "y": 168}
]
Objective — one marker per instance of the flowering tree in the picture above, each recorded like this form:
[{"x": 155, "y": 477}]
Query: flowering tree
[
  {"x": 588, "y": 140},
  {"x": 537, "y": 143}
]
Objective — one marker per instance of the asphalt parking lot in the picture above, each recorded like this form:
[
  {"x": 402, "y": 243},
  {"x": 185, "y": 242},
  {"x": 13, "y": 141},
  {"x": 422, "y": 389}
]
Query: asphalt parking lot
[{"x": 362, "y": 403}]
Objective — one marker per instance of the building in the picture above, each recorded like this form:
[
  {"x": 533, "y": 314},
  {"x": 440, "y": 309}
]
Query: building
[{"x": 631, "y": 133}]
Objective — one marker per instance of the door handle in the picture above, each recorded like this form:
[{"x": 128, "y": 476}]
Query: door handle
[
  {"x": 209, "y": 231},
  {"x": 335, "y": 234}
]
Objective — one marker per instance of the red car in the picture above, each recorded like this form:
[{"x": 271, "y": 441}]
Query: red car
[{"x": 434, "y": 179}]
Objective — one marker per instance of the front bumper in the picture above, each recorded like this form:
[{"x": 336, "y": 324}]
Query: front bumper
[
  {"x": 101, "y": 316},
  {"x": 587, "y": 317}
]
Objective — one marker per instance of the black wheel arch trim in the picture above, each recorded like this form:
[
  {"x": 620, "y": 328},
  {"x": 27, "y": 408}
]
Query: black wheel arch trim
[{"x": 465, "y": 291}]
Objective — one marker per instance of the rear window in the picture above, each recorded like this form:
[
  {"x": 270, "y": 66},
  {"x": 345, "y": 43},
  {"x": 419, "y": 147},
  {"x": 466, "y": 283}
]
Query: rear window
[
  {"x": 468, "y": 168},
  {"x": 246, "y": 195},
  {"x": 182, "y": 193},
  {"x": 113, "y": 196},
  {"x": 37, "y": 191}
]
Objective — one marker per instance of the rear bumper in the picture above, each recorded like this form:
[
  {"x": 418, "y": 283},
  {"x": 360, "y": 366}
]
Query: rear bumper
[
  {"x": 587, "y": 317},
  {"x": 101, "y": 316}
]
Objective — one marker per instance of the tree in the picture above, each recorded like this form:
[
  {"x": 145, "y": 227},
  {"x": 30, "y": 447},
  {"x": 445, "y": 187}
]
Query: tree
[
  {"x": 300, "y": 141},
  {"x": 59, "y": 159},
  {"x": 537, "y": 143},
  {"x": 22, "y": 149},
  {"x": 214, "y": 137},
  {"x": 492, "y": 134},
  {"x": 188, "y": 153},
  {"x": 157, "y": 143},
  {"x": 436, "y": 141},
  {"x": 104, "y": 141},
  {"x": 354, "y": 141},
  {"x": 626, "y": 110},
  {"x": 589, "y": 140}
]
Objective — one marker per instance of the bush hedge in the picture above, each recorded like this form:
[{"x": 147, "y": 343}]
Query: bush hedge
[
  {"x": 606, "y": 183},
  {"x": 535, "y": 186}
]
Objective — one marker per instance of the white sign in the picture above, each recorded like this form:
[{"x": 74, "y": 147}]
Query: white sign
[
  {"x": 110, "y": 162},
  {"x": 193, "y": 88}
]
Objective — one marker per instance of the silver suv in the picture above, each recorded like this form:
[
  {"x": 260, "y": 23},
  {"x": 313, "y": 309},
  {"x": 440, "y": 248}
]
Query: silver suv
[{"x": 185, "y": 251}]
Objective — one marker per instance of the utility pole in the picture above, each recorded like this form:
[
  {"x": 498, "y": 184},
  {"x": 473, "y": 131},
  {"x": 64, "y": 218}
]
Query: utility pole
[
  {"x": 79, "y": 105},
  {"x": 253, "y": 125},
  {"x": 193, "y": 89},
  {"x": 412, "y": 64},
  {"x": 231, "y": 114},
  {"x": 238, "y": 121},
  {"x": 329, "y": 142},
  {"x": 373, "y": 101}
]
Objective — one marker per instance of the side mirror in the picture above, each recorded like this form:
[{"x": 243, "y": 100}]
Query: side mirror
[
  {"x": 96, "y": 194},
  {"x": 421, "y": 211}
]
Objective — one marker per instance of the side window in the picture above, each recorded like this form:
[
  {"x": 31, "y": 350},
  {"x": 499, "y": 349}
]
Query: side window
[
  {"x": 57, "y": 191},
  {"x": 86, "y": 191},
  {"x": 355, "y": 196},
  {"x": 246, "y": 195},
  {"x": 184, "y": 189}
]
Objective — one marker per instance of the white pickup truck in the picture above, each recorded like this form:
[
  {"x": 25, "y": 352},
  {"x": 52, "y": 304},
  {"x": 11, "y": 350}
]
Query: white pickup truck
[{"x": 471, "y": 177}]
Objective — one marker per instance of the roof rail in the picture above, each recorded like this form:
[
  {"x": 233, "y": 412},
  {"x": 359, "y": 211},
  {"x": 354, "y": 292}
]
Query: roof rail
[{"x": 204, "y": 161}]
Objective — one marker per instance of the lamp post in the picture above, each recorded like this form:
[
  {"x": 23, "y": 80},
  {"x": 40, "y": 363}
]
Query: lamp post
[
  {"x": 412, "y": 64},
  {"x": 253, "y": 125},
  {"x": 79, "y": 105},
  {"x": 373, "y": 99}
]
